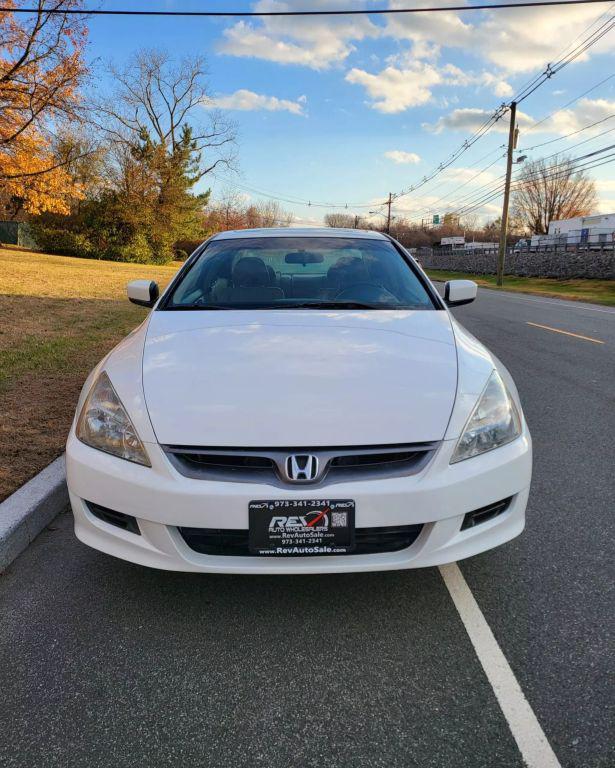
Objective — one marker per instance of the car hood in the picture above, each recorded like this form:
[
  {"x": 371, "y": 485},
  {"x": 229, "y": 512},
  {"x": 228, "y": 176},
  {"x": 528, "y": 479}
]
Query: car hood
[{"x": 301, "y": 378}]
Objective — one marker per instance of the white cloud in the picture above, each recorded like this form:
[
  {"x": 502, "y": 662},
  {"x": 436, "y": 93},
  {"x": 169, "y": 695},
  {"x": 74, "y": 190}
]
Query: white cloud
[
  {"x": 470, "y": 119},
  {"x": 499, "y": 86},
  {"x": 249, "y": 101},
  {"x": 395, "y": 90},
  {"x": 401, "y": 157},
  {"x": 512, "y": 41},
  {"x": 408, "y": 82},
  {"x": 587, "y": 111},
  {"x": 521, "y": 42},
  {"x": 465, "y": 175},
  {"x": 565, "y": 121},
  {"x": 315, "y": 42}
]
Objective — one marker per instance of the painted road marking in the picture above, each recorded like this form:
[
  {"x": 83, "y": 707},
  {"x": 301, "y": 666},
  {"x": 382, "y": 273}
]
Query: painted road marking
[
  {"x": 525, "y": 728},
  {"x": 566, "y": 333}
]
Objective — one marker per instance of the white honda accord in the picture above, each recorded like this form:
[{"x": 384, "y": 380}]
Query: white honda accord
[{"x": 298, "y": 401}]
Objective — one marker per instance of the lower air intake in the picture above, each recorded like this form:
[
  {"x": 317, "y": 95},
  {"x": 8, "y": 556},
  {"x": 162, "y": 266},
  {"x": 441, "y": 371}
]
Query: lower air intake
[
  {"x": 111, "y": 517},
  {"x": 368, "y": 541},
  {"x": 483, "y": 514}
]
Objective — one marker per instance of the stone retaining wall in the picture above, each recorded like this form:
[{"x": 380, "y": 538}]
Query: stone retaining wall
[{"x": 559, "y": 264}]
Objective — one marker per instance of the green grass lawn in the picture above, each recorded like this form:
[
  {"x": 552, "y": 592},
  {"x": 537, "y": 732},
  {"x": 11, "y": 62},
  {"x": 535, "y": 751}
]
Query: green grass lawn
[
  {"x": 58, "y": 317},
  {"x": 593, "y": 291}
]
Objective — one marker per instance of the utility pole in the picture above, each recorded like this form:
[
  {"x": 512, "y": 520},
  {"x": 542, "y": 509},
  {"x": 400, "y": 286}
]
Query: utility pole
[
  {"x": 390, "y": 200},
  {"x": 512, "y": 143}
]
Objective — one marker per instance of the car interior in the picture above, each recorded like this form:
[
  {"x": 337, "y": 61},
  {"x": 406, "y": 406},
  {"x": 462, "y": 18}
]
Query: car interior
[{"x": 238, "y": 276}]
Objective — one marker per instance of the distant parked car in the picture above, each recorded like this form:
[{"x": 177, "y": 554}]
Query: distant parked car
[{"x": 298, "y": 401}]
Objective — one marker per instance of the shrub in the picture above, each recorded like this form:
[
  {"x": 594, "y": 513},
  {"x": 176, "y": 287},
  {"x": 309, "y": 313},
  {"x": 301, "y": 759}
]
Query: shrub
[
  {"x": 64, "y": 243},
  {"x": 183, "y": 248},
  {"x": 137, "y": 250}
]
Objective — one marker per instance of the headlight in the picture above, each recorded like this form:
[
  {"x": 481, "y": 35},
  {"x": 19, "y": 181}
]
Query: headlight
[
  {"x": 494, "y": 421},
  {"x": 105, "y": 425}
]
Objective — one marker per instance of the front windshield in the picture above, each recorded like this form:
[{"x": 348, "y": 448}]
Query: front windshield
[{"x": 306, "y": 272}]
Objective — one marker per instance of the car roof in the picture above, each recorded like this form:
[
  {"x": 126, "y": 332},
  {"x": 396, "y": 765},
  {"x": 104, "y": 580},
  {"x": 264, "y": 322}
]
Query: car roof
[{"x": 300, "y": 232}]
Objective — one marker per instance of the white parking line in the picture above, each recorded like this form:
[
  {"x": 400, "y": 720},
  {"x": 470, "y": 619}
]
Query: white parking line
[{"x": 525, "y": 728}]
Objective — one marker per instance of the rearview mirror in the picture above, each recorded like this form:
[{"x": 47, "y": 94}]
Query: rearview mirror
[
  {"x": 304, "y": 257},
  {"x": 143, "y": 292},
  {"x": 458, "y": 292}
]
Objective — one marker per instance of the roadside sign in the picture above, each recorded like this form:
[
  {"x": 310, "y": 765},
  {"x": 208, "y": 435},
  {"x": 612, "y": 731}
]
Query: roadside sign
[{"x": 436, "y": 218}]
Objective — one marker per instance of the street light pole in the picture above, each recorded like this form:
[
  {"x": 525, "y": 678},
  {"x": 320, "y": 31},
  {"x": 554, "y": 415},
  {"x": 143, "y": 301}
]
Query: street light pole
[{"x": 512, "y": 140}]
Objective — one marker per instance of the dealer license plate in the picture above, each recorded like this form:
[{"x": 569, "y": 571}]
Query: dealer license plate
[{"x": 300, "y": 527}]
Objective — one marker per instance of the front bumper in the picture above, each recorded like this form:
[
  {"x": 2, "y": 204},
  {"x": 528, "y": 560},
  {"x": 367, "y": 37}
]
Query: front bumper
[{"x": 162, "y": 500}]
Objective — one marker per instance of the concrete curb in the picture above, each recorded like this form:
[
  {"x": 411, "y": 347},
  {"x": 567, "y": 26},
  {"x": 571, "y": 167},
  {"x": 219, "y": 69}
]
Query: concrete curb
[{"x": 24, "y": 514}]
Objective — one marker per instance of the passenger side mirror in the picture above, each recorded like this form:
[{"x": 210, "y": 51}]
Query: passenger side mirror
[
  {"x": 458, "y": 292},
  {"x": 143, "y": 292}
]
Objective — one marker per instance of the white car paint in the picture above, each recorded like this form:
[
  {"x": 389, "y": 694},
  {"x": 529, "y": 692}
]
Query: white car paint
[
  {"x": 331, "y": 365},
  {"x": 299, "y": 378}
]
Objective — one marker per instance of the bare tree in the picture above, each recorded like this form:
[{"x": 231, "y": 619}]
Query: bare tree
[
  {"x": 551, "y": 191},
  {"x": 469, "y": 222},
  {"x": 231, "y": 211},
  {"x": 344, "y": 220},
  {"x": 159, "y": 98},
  {"x": 268, "y": 214}
]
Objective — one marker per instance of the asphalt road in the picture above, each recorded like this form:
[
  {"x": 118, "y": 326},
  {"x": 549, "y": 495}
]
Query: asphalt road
[{"x": 103, "y": 663}]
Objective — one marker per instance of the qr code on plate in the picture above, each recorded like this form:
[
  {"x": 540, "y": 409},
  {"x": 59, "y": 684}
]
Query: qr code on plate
[{"x": 339, "y": 519}]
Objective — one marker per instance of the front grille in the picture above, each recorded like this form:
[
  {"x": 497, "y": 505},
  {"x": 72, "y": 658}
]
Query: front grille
[
  {"x": 368, "y": 541},
  {"x": 269, "y": 465},
  {"x": 483, "y": 514}
]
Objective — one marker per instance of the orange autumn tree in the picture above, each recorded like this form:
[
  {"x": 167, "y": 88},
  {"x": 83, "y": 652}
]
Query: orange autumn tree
[{"x": 41, "y": 69}]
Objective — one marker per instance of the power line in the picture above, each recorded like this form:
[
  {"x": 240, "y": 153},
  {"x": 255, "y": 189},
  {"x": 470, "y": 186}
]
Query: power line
[
  {"x": 544, "y": 119},
  {"x": 425, "y": 211},
  {"x": 568, "y": 103},
  {"x": 580, "y": 143},
  {"x": 341, "y": 12},
  {"x": 479, "y": 133},
  {"x": 479, "y": 204},
  {"x": 523, "y": 94},
  {"x": 566, "y": 167},
  {"x": 552, "y": 70},
  {"x": 568, "y": 135},
  {"x": 477, "y": 198},
  {"x": 594, "y": 22},
  {"x": 471, "y": 165},
  {"x": 289, "y": 199}
]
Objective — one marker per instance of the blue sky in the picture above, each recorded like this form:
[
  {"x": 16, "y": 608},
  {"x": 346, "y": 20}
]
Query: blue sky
[{"x": 344, "y": 110}]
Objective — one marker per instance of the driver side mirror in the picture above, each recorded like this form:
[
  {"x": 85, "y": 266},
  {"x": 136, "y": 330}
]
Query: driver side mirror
[
  {"x": 458, "y": 292},
  {"x": 143, "y": 292}
]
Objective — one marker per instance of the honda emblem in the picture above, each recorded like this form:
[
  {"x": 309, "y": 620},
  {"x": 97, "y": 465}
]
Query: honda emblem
[{"x": 302, "y": 468}]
